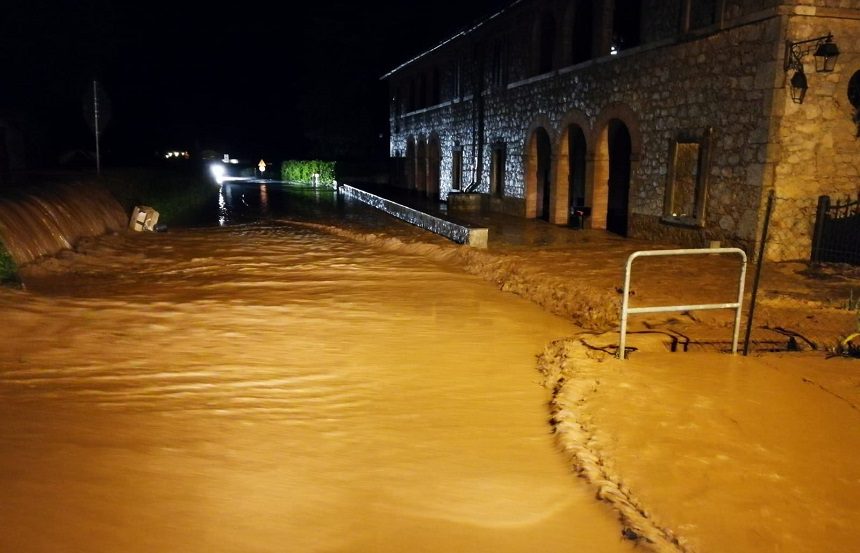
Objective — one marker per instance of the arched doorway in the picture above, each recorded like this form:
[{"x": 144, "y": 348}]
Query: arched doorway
[
  {"x": 618, "y": 193},
  {"x": 434, "y": 160}
]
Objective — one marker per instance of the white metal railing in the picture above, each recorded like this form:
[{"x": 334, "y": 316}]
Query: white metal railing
[{"x": 627, "y": 310}]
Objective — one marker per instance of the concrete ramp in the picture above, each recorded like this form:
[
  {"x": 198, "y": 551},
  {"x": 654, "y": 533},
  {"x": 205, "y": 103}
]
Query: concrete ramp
[{"x": 475, "y": 237}]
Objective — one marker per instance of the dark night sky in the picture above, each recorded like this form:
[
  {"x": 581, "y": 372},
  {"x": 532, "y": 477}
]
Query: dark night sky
[{"x": 250, "y": 78}]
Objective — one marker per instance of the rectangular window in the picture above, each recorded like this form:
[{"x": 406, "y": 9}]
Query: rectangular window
[
  {"x": 699, "y": 14},
  {"x": 497, "y": 171},
  {"x": 626, "y": 25},
  {"x": 687, "y": 179},
  {"x": 457, "y": 92},
  {"x": 435, "y": 87},
  {"x": 499, "y": 67},
  {"x": 457, "y": 169}
]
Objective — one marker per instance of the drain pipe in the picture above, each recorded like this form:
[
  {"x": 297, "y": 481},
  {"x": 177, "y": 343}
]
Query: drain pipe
[{"x": 758, "y": 267}]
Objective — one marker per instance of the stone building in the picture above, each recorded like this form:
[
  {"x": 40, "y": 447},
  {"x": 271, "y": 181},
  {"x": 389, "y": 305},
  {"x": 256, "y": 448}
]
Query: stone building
[{"x": 660, "y": 119}]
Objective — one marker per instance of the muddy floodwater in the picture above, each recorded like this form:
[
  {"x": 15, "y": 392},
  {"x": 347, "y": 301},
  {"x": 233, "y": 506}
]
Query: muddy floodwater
[{"x": 274, "y": 387}]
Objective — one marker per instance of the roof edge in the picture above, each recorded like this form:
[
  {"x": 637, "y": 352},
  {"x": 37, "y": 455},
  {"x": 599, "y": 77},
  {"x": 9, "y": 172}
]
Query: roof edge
[{"x": 447, "y": 41}]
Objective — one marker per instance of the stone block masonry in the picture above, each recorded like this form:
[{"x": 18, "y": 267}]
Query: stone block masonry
[{"x": 602, "y": 133}]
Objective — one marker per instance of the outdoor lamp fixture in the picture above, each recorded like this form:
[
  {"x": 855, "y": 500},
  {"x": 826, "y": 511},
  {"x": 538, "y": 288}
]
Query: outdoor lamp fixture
[
  {"x": 798, "y": 86},
  {"x": 825, "y": 56}
]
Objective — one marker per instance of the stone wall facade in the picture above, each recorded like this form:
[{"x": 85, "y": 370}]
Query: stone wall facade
[{"x": 674, "y": 127}]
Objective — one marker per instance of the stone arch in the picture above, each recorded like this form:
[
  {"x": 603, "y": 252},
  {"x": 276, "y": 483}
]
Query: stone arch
[
  {"x": 616, "y": 159},
  {"x": 617, "y": 148},
  {"x": 434, "y": 163},
  {"x": 572, "y": 167},
  {"x": 538, "y": 167}
]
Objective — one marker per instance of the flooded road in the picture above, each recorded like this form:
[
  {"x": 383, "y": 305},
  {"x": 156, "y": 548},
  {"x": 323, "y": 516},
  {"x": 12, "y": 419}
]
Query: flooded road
[{"x": 273, "y": 387}]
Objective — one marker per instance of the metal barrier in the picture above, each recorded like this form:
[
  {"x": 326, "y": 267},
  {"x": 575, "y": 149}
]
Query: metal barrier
[{"x": 626, "y": 309}]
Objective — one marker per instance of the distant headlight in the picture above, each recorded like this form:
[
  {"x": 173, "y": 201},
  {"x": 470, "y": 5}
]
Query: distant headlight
[{"x": 218, "y": 171}]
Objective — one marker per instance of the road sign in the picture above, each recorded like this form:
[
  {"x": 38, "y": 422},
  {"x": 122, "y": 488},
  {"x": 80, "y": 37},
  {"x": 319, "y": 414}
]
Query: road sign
[{"x": 262, "y": 166}]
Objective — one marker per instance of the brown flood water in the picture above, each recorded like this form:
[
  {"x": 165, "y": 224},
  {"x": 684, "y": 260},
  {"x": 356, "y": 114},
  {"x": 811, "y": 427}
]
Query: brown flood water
[{"x": 275, "y": 388}]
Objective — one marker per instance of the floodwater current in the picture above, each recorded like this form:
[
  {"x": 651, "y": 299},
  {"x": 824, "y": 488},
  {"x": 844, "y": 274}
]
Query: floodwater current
[{"x": 270, "y": 386}]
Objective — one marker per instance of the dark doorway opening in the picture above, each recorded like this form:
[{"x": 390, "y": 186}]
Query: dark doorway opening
[
  {"x": 620, "y": 149},
  {"x": 576, "y": 175},
  {"x": 544, "y": 163}
]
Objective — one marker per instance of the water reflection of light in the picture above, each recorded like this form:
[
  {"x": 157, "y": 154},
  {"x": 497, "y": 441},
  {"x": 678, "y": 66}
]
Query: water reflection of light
[
  {"x": 222, "y": 207},
  {"x": 264, "y": 200}
]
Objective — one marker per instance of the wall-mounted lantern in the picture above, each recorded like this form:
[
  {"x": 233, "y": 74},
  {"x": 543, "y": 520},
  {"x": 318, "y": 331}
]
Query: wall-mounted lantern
[
  {"x": 825, "y": 56},
  {"x": 798, "y": 86}
]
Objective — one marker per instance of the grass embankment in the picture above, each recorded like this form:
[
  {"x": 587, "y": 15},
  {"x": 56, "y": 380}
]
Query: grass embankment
[{"x": 177, "y": 194}]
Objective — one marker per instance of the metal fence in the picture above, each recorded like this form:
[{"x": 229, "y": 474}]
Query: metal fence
[
  {"x": 836, "y": 236},
  {"x": 627, "y": 310}
]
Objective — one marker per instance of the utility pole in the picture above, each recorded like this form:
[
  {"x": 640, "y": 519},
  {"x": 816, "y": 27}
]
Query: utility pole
[{"x": 96, "y": 126}]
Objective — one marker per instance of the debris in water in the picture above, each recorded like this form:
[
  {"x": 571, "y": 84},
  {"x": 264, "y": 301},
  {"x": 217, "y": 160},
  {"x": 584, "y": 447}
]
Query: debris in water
[
  {"x": 630, "y": 534},
  {"x": 143, "y": 218}
]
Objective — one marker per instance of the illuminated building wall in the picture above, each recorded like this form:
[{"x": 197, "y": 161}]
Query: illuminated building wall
[{"x": 660, "y": 120}]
